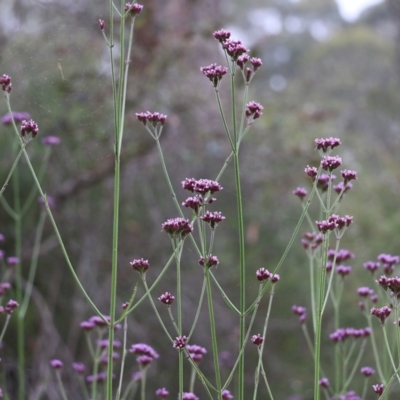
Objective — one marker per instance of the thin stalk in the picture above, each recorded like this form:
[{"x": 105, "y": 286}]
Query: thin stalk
[
  {"x": 12, "y": 169},
  {"x": 375, "y": 349},
  {"x": 61, "y": 386},
  {"x": 390, "y": 352},
  {"x": 124, "y": 353},
  {"x": 196, "y": 317},
  {"x": 213, "y": 334}
]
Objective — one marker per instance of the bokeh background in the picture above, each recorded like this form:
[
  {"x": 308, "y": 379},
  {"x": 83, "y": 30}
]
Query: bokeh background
[{"x": 322, "y": 76}]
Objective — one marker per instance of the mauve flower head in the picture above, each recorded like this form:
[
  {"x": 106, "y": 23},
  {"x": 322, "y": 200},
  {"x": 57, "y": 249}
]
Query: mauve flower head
[
  {"x": 51, "y": 140},
  {"x": 167, "y": 298},
  {"x": 381, "y": 313},
  {"x": 371, "y": 266},
  {"x": 330, "y": 163},
  {"x": 367, "y": 371},
  {"x": 98, "y": 321},
  {"x": 343, "y": 270},
  {"x": 202, "y": 186},
  {"x": 263, "y": 274},
  {"x": 12, "y": 261},
  {"x": 5, "y": 82},
  {"x": 378, "y": 388},
  {"x": 143, "y": 349},
  {"x": 300, "y": 192},
  {"x": 4, "y": 288},
  {"x": 324, "y": 383},
  {"x": 341, "y": 255},
  {"x": 101, "y": 24},
  {"x": 324, "y": 180},
  {"x": 212, "y": 218},
  {"x": 194, "y": 203},
  {"x": 312, "y": 240},
  {"x": 196, "y": 352},
  {"x": 242, "y": 60},
  {"x": 56, "y": 364},
  {"x": 257, "y": 339},
  {"x": 153, "y": 118},
  {"x": 311, "y": 171},
  {"x": 141, "y": 265},
  {"x": 226, "y": 395},
  {"x": 11, "y": 306},
  {"x": 180, "y": 342},
  {"x": 209, "y": 261},
  {"x": 99, "y": 378},
  {"x": 134, "y": 9},
  {"x": 222, "y": 35},
  {"x": 348, "y": 175},
  {"x": 341, "y": 334},
  {"x": 253, "y": 111},
  {"x": 189, "y": 396},
  {"x": 234, "y": 48},
  {"x": 256, "y": 63},
  {"x": 352, "y": 395},
  {"x": 29, "y": 130},
  {"x": 364, "y": 291},
  {"x": 214, "y": 73},
  {"x": 144, "y": 360},
  {"x": 341, "y": 188},
  {"x": 78, "y": 367},
  {"x": 104, "y": 343},
  {"x": 18, "y": 117},
  {"x": 326, "y": 144},
  {"x": 162, "y": 393},
  {"x": 177, "y": 227},
  {"x": 87, "y": 325}
]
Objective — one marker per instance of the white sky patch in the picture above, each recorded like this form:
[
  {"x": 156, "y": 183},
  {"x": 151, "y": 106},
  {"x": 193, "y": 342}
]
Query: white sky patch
[{"x": 351, "y": 9}]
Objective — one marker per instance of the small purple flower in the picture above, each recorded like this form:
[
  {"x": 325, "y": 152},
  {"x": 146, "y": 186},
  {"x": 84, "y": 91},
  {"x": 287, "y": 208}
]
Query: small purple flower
[
  {"x": 98, "y": 321},
  {"x": 201, "y": 186},
  {"x": 11, "y": 306},
  {"x": 226, "y": 395},
  {"x": 104, "y": 343},
  {"x": 162, "y": 393},
  {"x": 253, "y": 111},
  {"x": 196, "y": 352},
  {"x": 367, "y": 371},
  {"x": 144, "y": 360},
  {"x": 140, "y": 265},
  {"x": 257, "y": 339},
  {"x": 194, "y": 203},
  {"x": 143, "y": 350},
  {"x": 78, "y": 367},
  {"x": 242, "y": 60},
  {"x": 343, "y": 270},
  {"x": 311, "y": 171},
  {"x": 4, "y": 288},
  {"x": 371, "y": 266},
  {"x": 214, "y": 73},
  {"x": 213, "y": 218},
  {"x": 177, "y": 227},
  {"x": 134, "y": 9},
  {"x": 364, "y": 291},
  {"x": 180, "y": 342},
  {"x": 189, "y": 396},
  {"x": 99, "y": 378},
  {"x": 300, "y": 192},
  {"x": 301, "y": 312},
  {"x": 5, "y": 82},
  {"x": 234, "y": 48},
  {"x": 311, "y": 240},
  {"x": 209, "y": 261},
  {"x": 12, "y": 261},
  {"x": 339, "y": 187},
  {"x": 18, "y": 117},
  {"x": 348, "y": 175},
  {"x": 324, "y": 144},
  {"x": 222, "y": 35},
  {"x": 51, "y": 140},
  {"x": 330, "y": 163},
  {"x": 324, "y": 383},
  {"x": 56, "y": 364},
  {"x": 340, "y": 256},
  {"x": 381, "y": 313},
  {"x": 101, "y": 24},
  {"x": 167, "y": 298},
  {"x": 378, "y": 388},
  {"x": 87, "y": 325},
  {"x": 29, "y": 130},
  {"x": 154, "y": 118},
  {"x": 263, "y": 274},
  {"x": 256, "y": 63}
]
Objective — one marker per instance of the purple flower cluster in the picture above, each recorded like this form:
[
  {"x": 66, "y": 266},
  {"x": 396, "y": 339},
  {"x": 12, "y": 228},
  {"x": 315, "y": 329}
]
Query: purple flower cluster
[
  {"x": 17, "y": 116},
  {"x": 341, "y": 334},
  {"x": 334, "y": 222},
  {"x": 162, "y": 393},
  {"x": 324, "y": 383},
  {"x": 343, "y": 270},
  {"x": 209, "y": 261},
  {"x": 234, "y": 48},
  {"x": 365, "y": 291},
  {"x": 51, "y": 140},
  {"x": 134, "y": 9},
  {"x": 29, "y": 130},
  {"x": 301, "y": 312},
  {"x": 367, "y": 371},
  {"x": 381, "y": 313},
  {"x": 56, "y": 364},
  {"x": 226, "y": 395},
  {"x": 300, "y": 192},
  {"x": 253, "y": 111},
  {"x": 196, "y": 352},
  {"x": 140, "y": 265},
  {"x": 146, "y": 353},
  {"x": 326, "y": 144},
  {"x": 214, "y": 73},
  {"x": 11, "y": 306},
  {"x": 311, "y": 240},
  {"x": 388, "y": 262},
  {"x": 177, "y": 227},
  {"x": 202, "y": 186},
  {"x": 5, "y": 82},
  {"x": 340, "y": 256},
  {"x": 378, "y": 388},
  {"x": 391, "y": 284},
  {"x": 167, "y": 298},
  {"x": 180, "y": 342},
  {"x": 189, "y": 396},
  {"x": 262, "y": 274},
  {"x": 153, "y": 118},
  {"x": 257, "y": 339},
  {"x": 213, "y": 218},
  {"x": 329, "y": 163}
]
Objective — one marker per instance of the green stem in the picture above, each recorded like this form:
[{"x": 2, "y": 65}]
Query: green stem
[
  {"x": 61, "y": 386},
  {"x": 12, "y": 169}
]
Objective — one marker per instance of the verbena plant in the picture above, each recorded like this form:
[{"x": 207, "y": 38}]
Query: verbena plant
[{"x": 196, "y": 222}]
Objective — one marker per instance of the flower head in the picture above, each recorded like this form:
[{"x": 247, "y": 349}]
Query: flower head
[
  {"x": 330, "y": 163},
  {"x": 133, "y": 9},
  {"x": 300, "y": 192},
  {"x": 196, "y": 352},
  {"x": 56, "y": 364},
  {"x": 209, "y": 261},
  {"x": 177, "y": 227},
  {"x": 257, "y": 339},
  {"x": 213, "y": 218},
  {"x": 5, "y": 82},
  {"x": 234, "y": 48},
  {"x": 324, "y": 383},
  {"x": 180, "y": 342},
  {"x": 367, "y": 371},
  {"x": 326, "y": 144},
  {"x": 11, "y": 306},
  {"x": 140, "y": 265},
  {"x": 381, "y": 313},
  {"x": 378, "y": 388},
  {"x": 17, "y": 116},
  {"x": 253, "y": 111},
  {"x": 51, "y": 140},
  {"x": 142, "y": 349},
  {"x": 167, "y": 298},
  {"x": 101, "y": 24},
  {"x": 214, "y": 73},
  {"x": 226, "y": 395},
  {"x": 29, "y": 130},
  {"x": 189, "y": 396},
  {"x": 162, "y": 393},
  {"x": 222, "y": 35},
  {"x": 78, "y": 367},
  {"x": 263, "y": 274}
]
